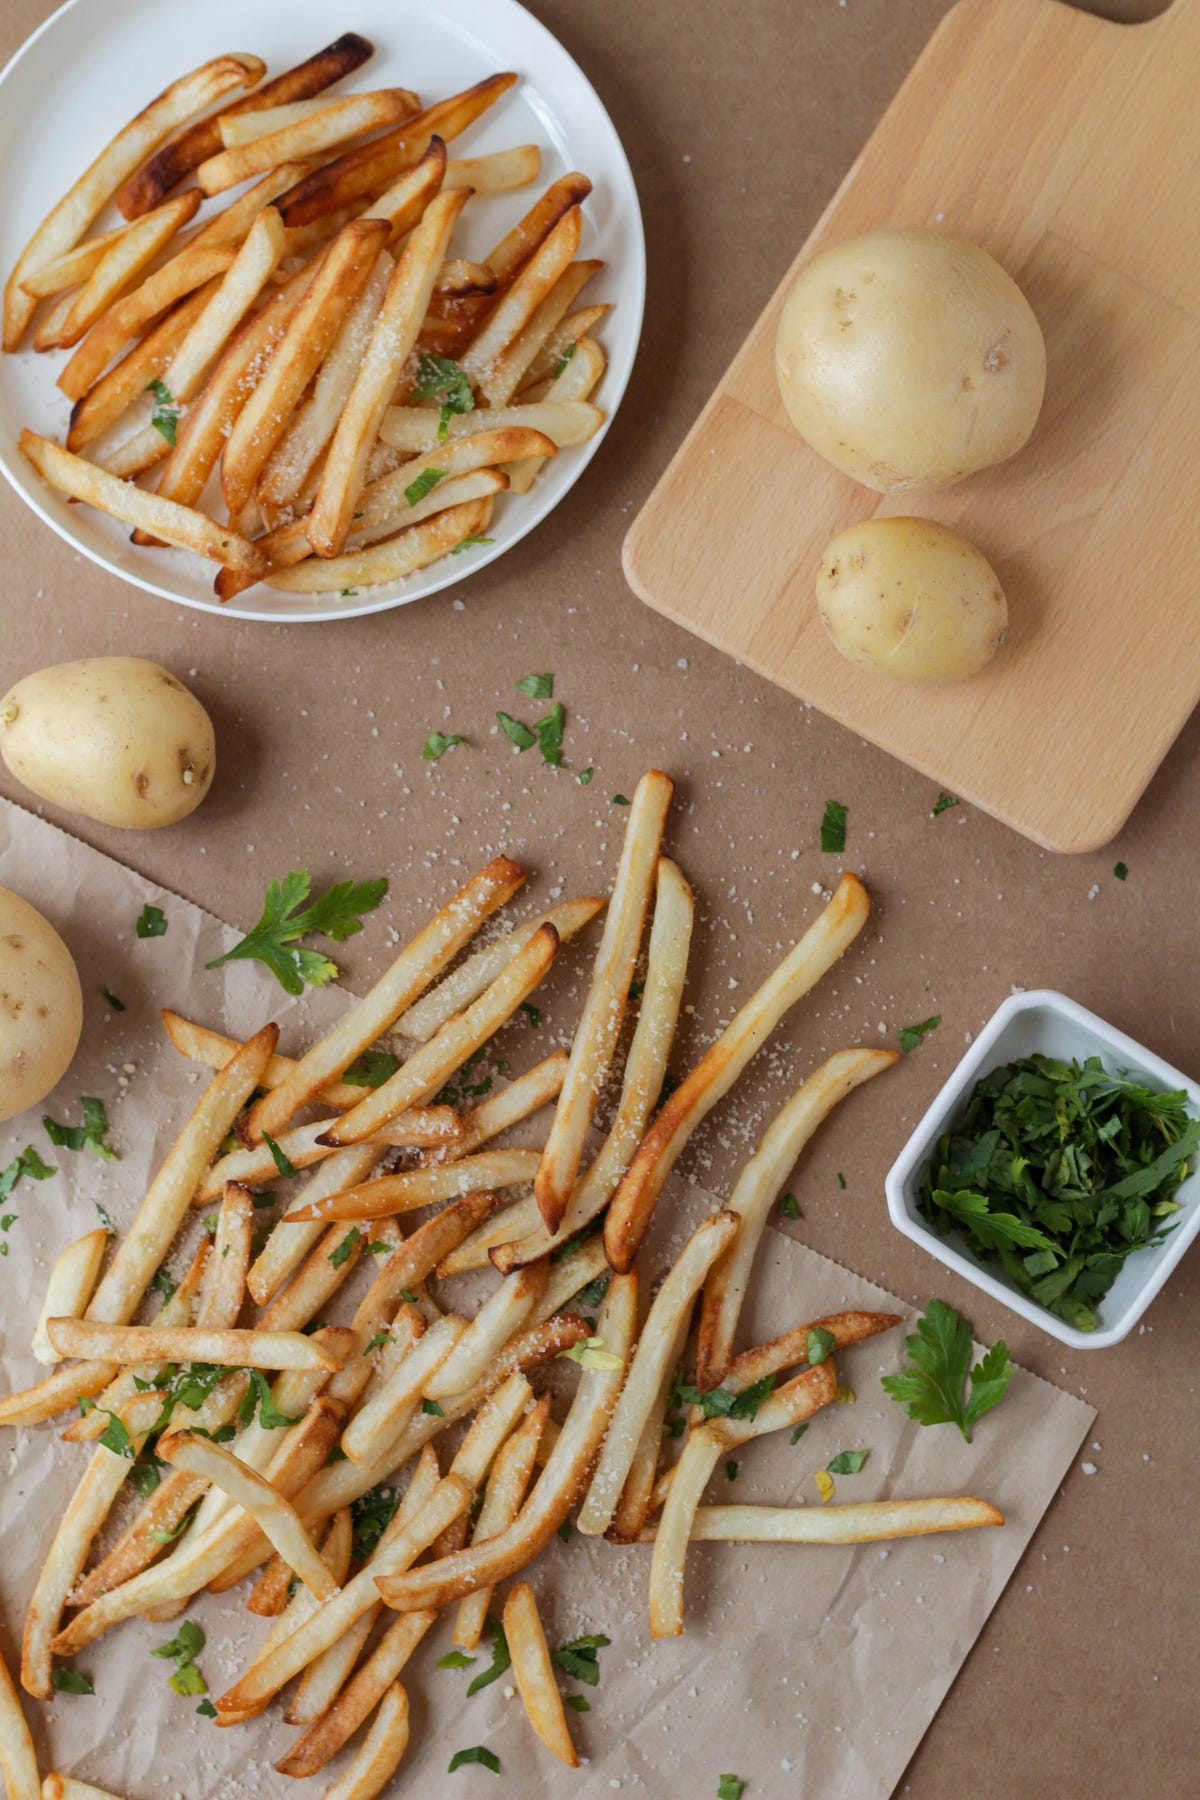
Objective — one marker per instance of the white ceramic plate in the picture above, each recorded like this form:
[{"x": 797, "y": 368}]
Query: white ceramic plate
[{"x": 96, "y": 62}]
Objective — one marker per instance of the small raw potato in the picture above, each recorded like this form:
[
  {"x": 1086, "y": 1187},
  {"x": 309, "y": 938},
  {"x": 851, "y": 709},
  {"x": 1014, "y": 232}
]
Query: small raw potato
[
  {"x": 114, "y": 738},
  {"x": 911, "y": 600},
  {"x": 909, "y": 359},
  {"x": 41, "y": 1006}
]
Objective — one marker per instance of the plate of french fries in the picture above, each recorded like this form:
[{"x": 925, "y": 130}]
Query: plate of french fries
[
  {"x": 317, "y": 1344},
  {"x": 301, "y": 326}
]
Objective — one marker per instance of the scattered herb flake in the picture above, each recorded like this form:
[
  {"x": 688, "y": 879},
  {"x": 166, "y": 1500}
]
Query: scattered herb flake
[
  {"x": 789, "y": 1207},
  {"x": 105, "y": 1220},
  {"x": 423, "y": 484},
  {"x": 847, "y": 1462},
  {"x": 88, "y": 1136},
  {"x": 70, "y": 1681},
  {"x": 338, "y": 1255},
  {"x": 437, "y": 744},
  {"x": 942, "y": 804},
  {"x": 151, "y": 922},
  {"x": 731, "y": 1468},
  {"x": 580, "y": 1658},
  {"x": 501, "y": 1659},
  {"x": 565, "y": 358},
  {"x": 207, "y": 1710},
  {"x": 590, "y": 1353},
  {"x": 441, "y": 378},
  {"x": 820, "y": 1343},
  {"x": 1121, "y": 871},
  {"x": 841, "y": 1180},
  {"x": 433, "y": 1409},
  {"x": 455, "y": 1659},
  {"x": 371, "y": 1514},
  {"x": 799, "y": 1432},
  {"x": 469, "y": 543},
  {"x": 565, "y": 1530},
  {"x": 371, "y": 1069},
  {"x": 258, "y": 1394},
  {"x": 280, "y": 1158},
  {"x": 913, "y": 1035},
  {"x": 285, "y": 919},
  {"x": 532, "y": 1013},
  {"x": 620, "y": 800},
  {"x": 932, "y": 1392},
  {"x": 833, "y": 827},
  {"x": 478, "y": 1753},
  {"x": 165, "y": 417},
  {"x": 584, "y": 777},
  {"x": 538, "y": 687},
  {"x": 516, "y": 732},
  {"x": 117, "y": 1005},
  {"x": 550, "y": 734},
  {"x": 730, "y": 1787},
  {"x": 578, "y": 1702}
]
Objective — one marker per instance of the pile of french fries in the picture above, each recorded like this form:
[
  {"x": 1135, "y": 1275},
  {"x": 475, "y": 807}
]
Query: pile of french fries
[
  {"x": 395, "y": 1174},
  {"x": 309, "y": 387}
]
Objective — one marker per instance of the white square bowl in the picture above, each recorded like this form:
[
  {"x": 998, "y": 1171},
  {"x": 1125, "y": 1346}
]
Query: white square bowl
[{"x": 1046, "y": 1023}]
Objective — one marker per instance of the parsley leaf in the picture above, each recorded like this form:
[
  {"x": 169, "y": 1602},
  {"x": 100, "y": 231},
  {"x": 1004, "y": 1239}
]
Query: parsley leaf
[
  {"x": 371, "y": 1514},
  {"x": 371, "y": 1069},
  {"x": 593, "y": 1292},
  {"x": 28, "y": 1162},
  {"x": 516, "y": 732},
  {"x": 478, "y": 1753},
  {"x": 584, "y": 777},
  {"x": 799, "y": 1432},
  {"x": 187, "y": 1643},
  {"x": 620, "y": 800},
  {"x": 501, "y": 1659},
  {"x": 422, "y": 484},
  {"x": 433, "y": 1409},
  {"x": 788, "y": 1207},
  {"x": 913, "y": 1035},
  {"x": 162, "y": 1282},
  {"x": 88, "y": 1136},
  {"x": 580, "y": 1657},
  {"x": 455, "y": 1659},
  {"x": 469, "y": 543},
  {"x": 820, "y": 1343},
  {"x": 719, "y": 1403},
  {"x": 538, "y": 687},
  {"x": 730, "y": 1787},
  {"x": 731, "y": 1469},
  {"x": 437, "y": 744},
  {"x": 70, "y": 1681},
  {"x": 165, "y": 417},
  {"x": 847, "y": 1462},
  {"x": 207, "y": 1710},
  {"x": 285, "y": 919},
  {"x": 282, "y": 1161},
  {"x": 258, "y": 1394},
  {"x": 117, "y": 1005},
  {"x": 550, "y": 734},
  {"x": 564, "y": 359},
  {"x": 590, "y": 1353},
  {"x": 932, "y": 1392},
  {"x": 440, "y": 377},
  {"x": 833, "y": 826},
  {"x": 532, "y": 1013},
  {"x": 577, "y": 1702},
  {"x": 151, "y": 922},
  {"x": 942, "y": 804},
  {"x": 338, "y": 1256},
  {"x": 841, "y": 1180},
  {"x": 1121, "y": 871}
]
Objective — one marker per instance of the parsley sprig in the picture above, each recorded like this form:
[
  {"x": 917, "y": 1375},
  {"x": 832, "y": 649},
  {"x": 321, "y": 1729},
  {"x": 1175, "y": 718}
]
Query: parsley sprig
[
  {"x": 932, "y": 1391},
  {"x": 335, "y": 914},
  {"x": 88, "y": 1136}
]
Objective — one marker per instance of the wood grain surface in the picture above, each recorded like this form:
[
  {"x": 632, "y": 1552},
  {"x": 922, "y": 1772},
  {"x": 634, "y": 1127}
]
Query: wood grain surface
[
  {"x": 1080, "y": 1683},
  {"x": 1069, "y": 147}
]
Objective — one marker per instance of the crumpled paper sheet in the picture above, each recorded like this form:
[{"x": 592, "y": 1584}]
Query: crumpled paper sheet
[{"x": 806, "y": 1671}]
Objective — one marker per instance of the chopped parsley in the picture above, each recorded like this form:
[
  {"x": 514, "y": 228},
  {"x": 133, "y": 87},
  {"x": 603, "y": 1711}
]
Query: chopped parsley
[
  {"x": 942, "y": 804},
  {"x": 88, "y": 1136},
  {"x": 731, "y": 1469},
  {"x": 151, "y": 922},
  {"x": 280, "y": 1158},
  {"x": 516, "y": 732},
  {"x": 913, "y": 1035},
  {"x": 584, "y": 777},
  {"x": 594, "y": 1291},
  {"x": 70, "y": 1681},
  {"x": 286, "y": 919},
  {"x": 371, "y": 1069},
  {"x": 455, "y": 1659},
  {"x": 338, "y": 1256},
  {"x": 730, "y": 1787},
  {"x": 719, "y": 1403},
  {"x": 538, "y": 687},
  {"x": 564, "y": 359},
  {"x": 106, "y": 1221},
  {"x": 478, "y": 1753},
  {"x": 565, "y": 1530},
  {"x": 578, "y": 1702},
  {"x": 258, "y": 1394},
  {"x": 799, "y": 1432},
  {"x": 932, "y": 1392},
  {"x": 29, "y": 1163},
  {"x": 183, "y": 1649},
  {"x": 620, "y": 800},
  {"x": 590, "y": 1353},
  {"x": 441, "y": 378},
  {"x": 1121, "y": 871},
  {"x": 162, "y": 1282},
  {"x": 847, "y": 1462},
  {"x": 433, "y": 1409},
  {"x": 437, "y": 744},
  {"x": 469, "y": 543},
  {"x": 165, "y": 417},
  {"x": 532, "y": 1013},
  {"x": 501, "y": 1659},
  {"x": 841, "y": 1180},
  {"x": 348, "y": 594},
  {"x": 422, "y": 484},
  {"x": 789, "y": 1207},
  {"x": 371, "y": 1515},
  {"x": 820, "y": 1343},
  {"x": 833, "y": 826},
  {"x": 579, "y": 1658},
  {"x": 550, "y": 734},
  {"x": 117, "y": 1005}
]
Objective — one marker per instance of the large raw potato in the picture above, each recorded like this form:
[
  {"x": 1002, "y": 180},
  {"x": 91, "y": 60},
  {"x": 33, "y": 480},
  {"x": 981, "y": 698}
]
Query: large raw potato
[
  {"x": 911, "y": 600},
  {"x": 41, "y": 1006},
  {"x": 909, "y": 359},
  {"x": 115, "y": 738}
]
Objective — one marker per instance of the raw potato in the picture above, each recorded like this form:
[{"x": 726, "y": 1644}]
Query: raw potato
[
  {"x": 115, "y": 738},
  {"x": 41, "y": 1006},
  {"x": 909, "y": 359},
  {"x": 911, "y": 600}
]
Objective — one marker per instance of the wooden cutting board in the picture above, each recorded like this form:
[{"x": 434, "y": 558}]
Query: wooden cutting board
[{"x": 1070, "y": 148}]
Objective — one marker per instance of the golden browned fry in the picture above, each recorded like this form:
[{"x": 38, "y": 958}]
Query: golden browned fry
[
  {"x": 419, "y": 1127},
  {"x": 599, "y": 1026},
  {"x": 361, "y": 173},
  {"x": 127, "y": 380},
  {"x": 224, "y": 1285},
  {"x": 574, "y": 382},
  {"x": 236, "y": 1349},
  {"x": 406, "y": 1362},
  {"x": 563, "y": 342},
  {"x": 474, "y": 973},
  {"x": 288, "y": 1243},
  {"x": 63, "y": 227},
  {"x": 506, "y": 1309},
  {"x": 509, "y": 367},
  {"x": 382, "y": 1748},
  {"x": 415, "y": 428},
  {"x": 323, "y": 1739},
  {"x": 483, "y": 357},
  {"x": 498, "y": 173},
  {"x": 535, "y": 1673},
  {"x": 308, "y": 136},
  {"x": 392, "y": 339},
  {"x": 502, "y": 1499},
  {"x": 557, "y": 1488},
  {"x": 180, "y": 525},
  {"x": 71, "y": 1285},
  {"x": 74, "y": 266},
  {"x": 132, "y": 315},
  {"x": 34, "y": 1405},
  {"x": 167, "y": 168},
  {"x": 419, "y": 1255},
  {"x": 527, "y": 236},
  {"x": 789, "y": 1405},
  {"x": 18, "y": 1759},
  {"x": 85, "y": 1514},
  {"x": 411, "y": 549},
  {"x": 431, "y": 1065},
  {"x": 819, "y": 948},
  {"x": 460, "y": 276},
  {"x": 755, "y": 1193},
  {"x": 406, "y": 1192},
  {"x": 309, "y": 335},
  {"x": 123, "y": 262},
  {"x": 791, "y": 1348},
  {"x": 412, "y": 971},
  {"x": 657, "y": 1355},
  {"x": 505, "y": 1107}
]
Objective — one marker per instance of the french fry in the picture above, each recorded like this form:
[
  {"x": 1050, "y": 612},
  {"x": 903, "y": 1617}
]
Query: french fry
[
  {"x": 66, "y": 223},
  {"x": 34, "y": 1405},
  {"x": 476, "y": 972},
  {"x": 527, "y": 236},
  {"x": 645, "y": 1069},
  {"x": 502, "y": 1314},
  {"x": 73, "y": 267},
  {"x": 85, "y": 1514},
  {"x": 459, "y": 276},
  {"x": 289, "y": 1243},
  {"x": 382, "y": 1748},
  {"x": 786, "y": 1351},
  {"x": 867, "y": 1522},
  {"x": 563, "y": 342},
  {"x": 365, "y": 171},
  {"x": 655, "y": 1357},
  {"x": 394, "y": 1395},
  {"x": 170, "y": 1193},
  {"x": 411, "y": 549},
  {"x": 238, "y": 128},
  {"x": 509, "y": 368},
  {"x": 498, "y": 173},
  {"x": 411, "y": 972},
  {"x": 224, "y": 1286},
  {"x": 133, "y": 314},
  {"x": 799, "y": 1400},
  {"x": 313, "y": 424},
  {"x": 327, "y": 1674},
  {"x": 419, "y": 1255},
  {"x": 64, "y": 1787},
  {"x": 236, "y": 1349},
  {"x": 817, "y": 951},
  {"x": 567, "y": 1275},
  {"x": 270, "y": 1598},
  {"x": 556, "y": 1489},
  {"x": 423, "y": 1127},
  {"x": 755, "y": 1192},
  {"x": 390, "y": 1194},
  {"x": 276, "y": 1516},
  {"x": 128, "y": 379},
  {"x": 431, "y": 1065},
  {"x": 133, "y": 251},
  {"x": 308, "y": 336},
  {"x": 72, "y": 1283},
  {"x": 395, "y": 333},
  {"x": 505, "y": 1107},
  {"x": 179, "y": 525},
  {"x": 517, "y": 1219},
  {"x": 306, "y": 136},
  {"x": 570, "y": 385},
  {"x": 415, "y": 428},
  {"x": 18, "y": 1759},
  {"x": 502, "y": 1499},
  {"x": 482, "y": 359},
  {"x": 227, "y": 306},
  {"x": 535, "y": 1674},
  {"x": 600, "y": 1022},
  {"x": 370, "y": 1682}
]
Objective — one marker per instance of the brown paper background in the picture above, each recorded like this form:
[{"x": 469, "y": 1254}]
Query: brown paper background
[{"x": 739, "y": 122}]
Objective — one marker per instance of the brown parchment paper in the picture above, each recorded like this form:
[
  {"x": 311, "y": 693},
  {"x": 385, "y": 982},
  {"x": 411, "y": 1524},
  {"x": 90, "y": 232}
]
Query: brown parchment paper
[{"x": 806, "y": 1671}]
